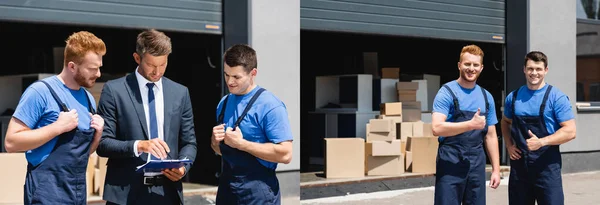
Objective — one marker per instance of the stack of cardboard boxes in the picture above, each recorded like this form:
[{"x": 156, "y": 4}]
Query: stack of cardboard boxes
[
  {"x": 96, "y": 172},
  {"x": 383, "y": 154}
]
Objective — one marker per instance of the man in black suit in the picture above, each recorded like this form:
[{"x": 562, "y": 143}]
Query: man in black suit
[{"x": 146, "y": 116}]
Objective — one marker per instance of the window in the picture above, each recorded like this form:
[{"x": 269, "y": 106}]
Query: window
[{"x": 588, "y": 56}]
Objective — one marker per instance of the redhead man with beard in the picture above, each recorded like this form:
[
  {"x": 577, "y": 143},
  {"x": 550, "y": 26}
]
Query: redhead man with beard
[
  {"x": 253, "y": 134},
  {"x": 464, "y": 116},
  {"x": 56, "y": 126},
  {"x": 537, "y": 119}
]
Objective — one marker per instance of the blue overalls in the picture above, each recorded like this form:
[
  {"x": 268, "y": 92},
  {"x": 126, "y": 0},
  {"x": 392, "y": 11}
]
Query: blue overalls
[
  {"x": 60, "y": 178},
  {"x": 460, "y": 165},
  {"x": 536, "y": 175},
  {"x": 249, "y": 182}
]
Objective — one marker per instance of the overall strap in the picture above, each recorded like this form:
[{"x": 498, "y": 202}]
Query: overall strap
[
  {"x": 222, "y": 113},
  {"x": 487, "y": 104},
  {"x": 456, "y": 105},
  {"x": 62, "y": 105},
  {"x": 90, "y": 107},
  {"x": 514, "y": 100},
  {"x": 543, "y": 106},
  {"x": 241, "y": 117}
]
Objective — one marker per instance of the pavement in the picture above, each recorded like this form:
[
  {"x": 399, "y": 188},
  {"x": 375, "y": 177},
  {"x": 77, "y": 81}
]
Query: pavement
[{"x": 579, "y": 188}]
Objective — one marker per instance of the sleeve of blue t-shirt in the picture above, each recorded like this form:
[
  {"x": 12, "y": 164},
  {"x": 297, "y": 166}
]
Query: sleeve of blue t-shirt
[
  {"x": 562, "y": 109},
  {"x": 219, "y": 107},
  {"x": 508, "y": 105},
  {"x": 31, "y": 106},
  {"x": 443, "y": 102},
  {"x": 491, "y": 117},
  {"x": 277, "y": 125}
]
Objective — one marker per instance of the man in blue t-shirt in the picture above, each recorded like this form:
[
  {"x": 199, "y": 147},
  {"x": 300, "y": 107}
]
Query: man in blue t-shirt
[
  {"x": 537, "y": 119},
  {"x": 253, "y": 134},
  {"x": 56, "y": 126},
  {"x": 464, "y": 116}
]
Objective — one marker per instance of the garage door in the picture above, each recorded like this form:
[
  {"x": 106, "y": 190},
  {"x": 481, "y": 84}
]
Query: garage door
[
  {"x": 203, "y": 16},
  {"x": 472, "y": 20}
]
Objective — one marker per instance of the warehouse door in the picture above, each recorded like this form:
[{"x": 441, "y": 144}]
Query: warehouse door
[
  {"x": 469, "y": 20},
  {"x": 198, "y": 16}
]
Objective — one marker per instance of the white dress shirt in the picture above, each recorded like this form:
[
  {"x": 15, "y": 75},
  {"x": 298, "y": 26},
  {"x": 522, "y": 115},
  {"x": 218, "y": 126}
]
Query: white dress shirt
[{"x": 159, "y": 105}]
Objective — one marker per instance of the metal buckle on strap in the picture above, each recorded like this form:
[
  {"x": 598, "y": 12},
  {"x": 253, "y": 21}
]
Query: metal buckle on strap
[{"x": 148, "y": 181}]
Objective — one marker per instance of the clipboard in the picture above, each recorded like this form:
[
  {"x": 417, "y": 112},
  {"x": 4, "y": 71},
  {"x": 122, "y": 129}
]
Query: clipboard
[{"x": 159, "y": 165}]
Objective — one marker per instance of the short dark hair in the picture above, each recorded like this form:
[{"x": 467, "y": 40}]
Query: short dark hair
[
  {"x": 153, "y": 42},
  {"x": 536, "y": 56},
  {"x": 241, "y": 54}
]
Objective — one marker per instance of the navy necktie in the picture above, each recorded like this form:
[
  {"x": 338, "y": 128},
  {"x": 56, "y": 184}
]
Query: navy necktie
[{"x": 152, "y": 110}]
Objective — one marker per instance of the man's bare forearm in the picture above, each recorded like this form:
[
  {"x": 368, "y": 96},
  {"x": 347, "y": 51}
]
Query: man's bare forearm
[
  {"x": 491, "y": 142},
  {"x": 23, "y": 140},
  {"x": 505, "y": 128},
  {"x": 278, "y": 153},
  {"x": 216, "y": 148},
  {"x": 449, "y": 129},
  {"x": 566, "y": 133}
]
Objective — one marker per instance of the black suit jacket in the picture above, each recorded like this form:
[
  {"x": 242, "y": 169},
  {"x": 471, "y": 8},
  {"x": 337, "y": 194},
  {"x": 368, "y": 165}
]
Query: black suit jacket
[{"x": 125, "y": 122}]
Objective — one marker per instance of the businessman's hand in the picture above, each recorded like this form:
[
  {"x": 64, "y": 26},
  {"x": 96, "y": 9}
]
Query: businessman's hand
[
  {"x": 478, "y": 122},
  {"x": 156, "y": 147},
  {"x": 174, "y": 174},
  {"x": 67, "y": 120},
  {"x": 235, "y": 138}
]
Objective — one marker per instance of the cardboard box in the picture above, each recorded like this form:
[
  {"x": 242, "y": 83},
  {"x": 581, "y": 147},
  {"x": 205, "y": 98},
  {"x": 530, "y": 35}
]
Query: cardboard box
[
  {"x": 384, "y": 148},
  {"x": 418, "y": 129},
  {"x": 379, "y": 136},
  {"x": 424, "y": 153},
  {"x": 381, "y": 125},
  {"x": 404, "y": 130},
  {"x": 427, "y": 130},
  {"x": 407, "y": 95},
  {"x": 411, "y": 115},
  {"x": 396, "y": 119},
  {"x": 393, "y": 73},
  {"x": 382, "y": 165},
  {"x": 391, "y": 109},
  {"x": 13, "y": 178},
  {"x": 90, "y": 172},
  {"x": 344, "y": 157},
  {"x": 101, "y": 174},
  {"x": 428, "y": 88},
  {"x": 411, "y": 111},
  {"x": 407, "y": 86},
  {"x": 408, "y": 164}
]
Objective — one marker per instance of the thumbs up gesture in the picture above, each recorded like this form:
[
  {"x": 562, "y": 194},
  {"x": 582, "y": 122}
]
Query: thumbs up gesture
[
  {"x": 478, "y": 122},
  {"x": 534, "y": 143}
]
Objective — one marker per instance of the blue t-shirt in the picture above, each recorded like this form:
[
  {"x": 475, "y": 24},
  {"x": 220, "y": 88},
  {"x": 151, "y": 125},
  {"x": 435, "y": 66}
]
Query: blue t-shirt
[
  {"x": 468, "y": 100},
  {"x": 266, "y": 121},
  {"x": 558, "y": 107},
  {"x": 37, "y": 108}
]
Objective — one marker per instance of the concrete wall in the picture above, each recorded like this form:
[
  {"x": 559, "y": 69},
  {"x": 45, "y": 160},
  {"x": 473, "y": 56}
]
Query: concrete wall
[
  {"x": 274, "y": 32},
  {"x": 555, "y": 35}
]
